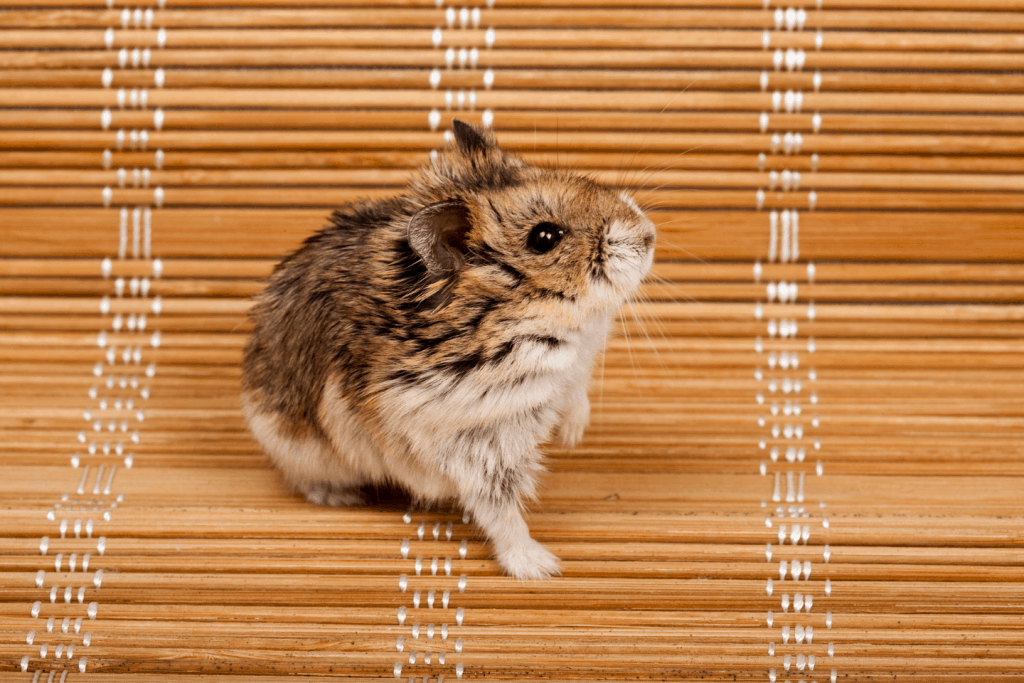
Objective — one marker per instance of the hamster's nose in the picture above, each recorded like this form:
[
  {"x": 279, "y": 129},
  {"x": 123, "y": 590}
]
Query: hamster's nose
[{"x": 649, "y": 239}]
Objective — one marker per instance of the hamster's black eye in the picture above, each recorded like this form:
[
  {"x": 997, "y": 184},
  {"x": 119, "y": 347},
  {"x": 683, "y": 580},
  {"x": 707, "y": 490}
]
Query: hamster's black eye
[{"x": 545, "y": 236}]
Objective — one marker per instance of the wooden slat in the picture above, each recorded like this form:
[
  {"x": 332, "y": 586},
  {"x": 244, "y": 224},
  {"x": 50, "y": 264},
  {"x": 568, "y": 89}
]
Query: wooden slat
[
  {"x": 540, "y": 18},
  {"x": 497, "y": 57},
  {"x": 529, "y": 38}
]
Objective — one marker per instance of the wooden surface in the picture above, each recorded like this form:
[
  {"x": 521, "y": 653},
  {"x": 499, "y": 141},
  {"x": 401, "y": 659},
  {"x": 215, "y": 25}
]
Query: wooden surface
[{"x": 854, "y": 374}]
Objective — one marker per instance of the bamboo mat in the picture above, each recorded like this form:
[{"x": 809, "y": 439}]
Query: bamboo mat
[{"x": 805, "y": 461}]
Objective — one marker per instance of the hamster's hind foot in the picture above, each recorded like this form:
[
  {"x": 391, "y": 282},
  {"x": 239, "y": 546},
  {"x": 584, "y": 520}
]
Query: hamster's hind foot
[
  {"x": 334, "y": 494},
  {"x": 529, "y": 560}
]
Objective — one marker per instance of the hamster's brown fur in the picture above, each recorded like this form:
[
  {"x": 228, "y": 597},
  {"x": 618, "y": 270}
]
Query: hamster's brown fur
[{"x": 424, "y": 340}]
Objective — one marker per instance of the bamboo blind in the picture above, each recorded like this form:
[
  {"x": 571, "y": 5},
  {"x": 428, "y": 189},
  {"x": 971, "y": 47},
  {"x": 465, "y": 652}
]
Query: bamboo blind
[{"x": 805, "y": 462}]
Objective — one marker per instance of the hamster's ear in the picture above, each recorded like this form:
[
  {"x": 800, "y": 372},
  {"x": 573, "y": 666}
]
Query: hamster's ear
[
  {"x": 472, "y": 140},
  {"x": 438, "y": 233}
]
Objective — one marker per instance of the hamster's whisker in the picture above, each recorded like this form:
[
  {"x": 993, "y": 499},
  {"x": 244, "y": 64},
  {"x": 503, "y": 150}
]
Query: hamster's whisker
[
  {"x": 686, "y": 221},
  {"x": 660, "y": 330},
  {"x": 628, "y": 167},
  {"x": 663, "y": 166},
  {"x": 639, "y": 182},
  {"x": 649, "y": 132},
  {"x": 671, "y": 288},
  {"x": 662, "y": 240},
  {"x": 558, "y": 135},
  {"x": 685, "y": 299},
  {"x": 641, "y": 176},
  {"x": 655, "y": 189},
  {"x": 663, "y": 328},
  {"x": 654, "y": 317},
  {"x": 643, "y": 330},
  {"x": 681, "y": 219},
  {"x": 629, "y": 181},
  {"x": 629, "y": 346},
  {"x": 665, "y": 108},
  {"x": 600, "y": 396},
  {"x": 673, "y": 285}
]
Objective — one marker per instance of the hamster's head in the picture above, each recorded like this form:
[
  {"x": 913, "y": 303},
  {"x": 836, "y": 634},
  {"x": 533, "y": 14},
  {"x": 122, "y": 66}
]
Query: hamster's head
[{"x": 556, "y": 242}]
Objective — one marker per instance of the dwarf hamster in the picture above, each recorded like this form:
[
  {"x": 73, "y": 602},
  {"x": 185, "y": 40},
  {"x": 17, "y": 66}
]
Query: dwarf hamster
[{"x": 434, "y": 339}]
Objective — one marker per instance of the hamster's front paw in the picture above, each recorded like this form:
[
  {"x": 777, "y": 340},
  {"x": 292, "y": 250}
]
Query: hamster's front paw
[
  {"x": 529, "y": 560},
  {"x": 333, "y": 494},
  {"x": 575, "y": 421}
]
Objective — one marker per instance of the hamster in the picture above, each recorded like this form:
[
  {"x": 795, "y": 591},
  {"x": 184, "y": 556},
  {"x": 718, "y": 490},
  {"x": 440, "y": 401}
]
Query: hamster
[{"x": 434, "y": 339}]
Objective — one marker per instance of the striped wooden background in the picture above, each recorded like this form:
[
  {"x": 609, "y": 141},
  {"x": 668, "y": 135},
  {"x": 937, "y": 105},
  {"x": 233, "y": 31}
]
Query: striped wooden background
[{"x": 806, "y": 458}]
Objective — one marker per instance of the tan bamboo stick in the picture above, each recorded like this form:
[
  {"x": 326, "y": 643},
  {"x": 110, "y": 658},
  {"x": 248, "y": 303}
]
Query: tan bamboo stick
[
  {"x": 52, "y": 372},
  {"x": 159, "y": 634},
  {"x": 177, "y": 634},
  {"x": 667, "y": 360},
  {"x": 161, "y": 287},
  {"x": 1004, "y": 5},
  {"x": 608, "y": 448},
  {"x": 180, "y": 268},
  {"x": 662, "y": 311},
  {"x": 824, "y": 143},
  {"x": 399, "y": 177},
  {"x": 720, "y": 328},
  {"x": 216, "y": 340},
  {"x": 679, "y": 274},
  {"x": 634, "y": 487},
  {"x": 956, "y": 325},
  {"x": 615, "y": 428},
  {"x": 555, "y": 667},
  {"x": 556, "y": 674},
  {"x": 837, "y": 272},
  {"x": 332, "y": 56},
  {"x": 295, "y": 518},
  {"x": 745, "y": 566},
  {"x": 291, "y": 196},
  {"x": 292, "y": 516},
  {"x": 542, "y": 618},
  {"x": 610, "y": 402},
  {"x": 627, "y": 162},
  {"x": 501, "y": 99},
  {"x": 552, "y": 78},
  {"x": 619, "y": 644},
  {"x": 686, "y": 465},
  {"x": 542, "y": 18},
  {"x": 526, "y": 38},
  {"x": 944, "y": 292},
  {"x": 716, "y": 387},
  {"x": 183, "y": 651},
  {"x": 24, "y": 553},
  {"x": 197, "y": 323},
  {"x": 557, "y": 462},
  {"x": 615, "y": 395},
  {"x": 614, "y": 425},
  {"x": 592, "y": 460},
  {"x": 621, "y": 634},
  {"x": 172, "y": 306},
  {"x": 656, "y": 122},
  {"x": 614, "y": 435}
]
